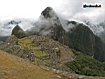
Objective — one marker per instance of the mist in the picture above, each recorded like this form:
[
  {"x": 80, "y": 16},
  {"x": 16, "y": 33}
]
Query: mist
[{"x": 6, "y": 26}]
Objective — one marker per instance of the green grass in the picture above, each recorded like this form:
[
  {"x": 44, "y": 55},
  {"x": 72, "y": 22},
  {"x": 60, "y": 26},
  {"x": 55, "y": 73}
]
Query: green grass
[
  {"x": 28, "y": 43},
  {"x": 39, "y": 62},
  {"x": 33, "y": 45},
  {"x": 40, "y": 53},
  {"x": 86, "y": 65},
  {"x": 36, "y": 48}
]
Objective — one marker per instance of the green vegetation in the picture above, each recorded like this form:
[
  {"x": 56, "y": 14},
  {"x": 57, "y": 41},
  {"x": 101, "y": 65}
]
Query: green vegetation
[
  {"x": 39, "y": 62},
  {"x": 84, "y": 40},
  {"x": 40, "y": 53},
  {"x": 86, "y": 65}
]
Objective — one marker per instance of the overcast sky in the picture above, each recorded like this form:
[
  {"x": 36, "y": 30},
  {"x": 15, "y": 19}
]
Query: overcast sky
[{"x": 68, "y": 9}]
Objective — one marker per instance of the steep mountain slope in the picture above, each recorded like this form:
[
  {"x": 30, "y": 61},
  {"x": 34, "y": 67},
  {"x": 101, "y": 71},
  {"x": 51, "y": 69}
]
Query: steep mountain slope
[
  {"x": 97, "y": 29},
  {"x": 86, "y": 65},
  {"x": 85, "y": 41},
  {"x": 18, "y": 32},
  {"x": 12, "y": 67},
  {"x": 49, "y": 24},
  {"x": 76, "y": 35}
]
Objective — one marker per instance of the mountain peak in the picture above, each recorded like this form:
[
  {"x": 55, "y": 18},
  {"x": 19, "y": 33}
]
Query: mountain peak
[
  {"x": 49, "y": 8},
  {"x": 18, "y": 32},
  {"x": 18, "y": 28},
  {"x": 48, "y": 12}
]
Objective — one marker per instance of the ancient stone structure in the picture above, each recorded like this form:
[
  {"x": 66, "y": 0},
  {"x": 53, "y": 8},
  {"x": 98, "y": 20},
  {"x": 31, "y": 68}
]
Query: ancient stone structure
[{"x": 57, "y": 54}]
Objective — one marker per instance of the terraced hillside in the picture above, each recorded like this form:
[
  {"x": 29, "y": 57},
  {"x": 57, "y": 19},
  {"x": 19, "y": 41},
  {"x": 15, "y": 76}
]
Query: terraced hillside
[
  {"x": 40, "y": 50},
  {"x": 47, "y": 51},
  {"x": 11, "y": 47},
  {"x": 33, "y": 48}
]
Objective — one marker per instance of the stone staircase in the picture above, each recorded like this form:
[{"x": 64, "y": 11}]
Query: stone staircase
[
  {"x": 20, "y": 53},
  {"x": 16, "y": 51},
  {"x": 8, "y": 47}
]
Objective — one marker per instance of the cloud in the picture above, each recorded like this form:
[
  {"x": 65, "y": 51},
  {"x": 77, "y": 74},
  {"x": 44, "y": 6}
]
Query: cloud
[
  {"x": 66, "y": 9},
  {"x": 6, "y": 26},
  {"x": 45, "y": 24},
  {"x": 69, "y": 9},
  {"x": 73, "y": 10}
]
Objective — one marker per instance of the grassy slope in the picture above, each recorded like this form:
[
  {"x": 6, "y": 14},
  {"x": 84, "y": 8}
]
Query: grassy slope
[
  {"x": 13, "y": 67},
  {"x": 86, "y": 65}
]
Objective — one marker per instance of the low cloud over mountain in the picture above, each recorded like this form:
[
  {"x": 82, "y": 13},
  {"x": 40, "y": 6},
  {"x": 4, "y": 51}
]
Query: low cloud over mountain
[{"x": 6, "y": 26}]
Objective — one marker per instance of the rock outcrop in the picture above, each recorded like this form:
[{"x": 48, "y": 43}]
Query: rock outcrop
[{"x": 18, "y": 32}]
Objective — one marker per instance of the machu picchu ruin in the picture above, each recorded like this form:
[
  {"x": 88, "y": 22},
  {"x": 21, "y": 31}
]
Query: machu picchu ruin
[
  {"x": 42, "y": 51},
  {"x": 44, "y": 48},
  {"x": 51, "y": 46},
  {"x": 39, "y": 50}
]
